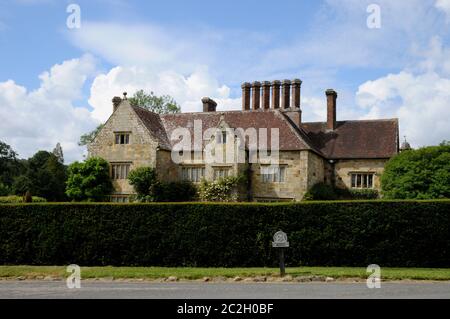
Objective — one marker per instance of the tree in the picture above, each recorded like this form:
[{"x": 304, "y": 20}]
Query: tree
[
  {"x": 87, "y": 138},
  {"x": 44, "y": 176},
  {"x": 89, "y": 180},
  {"x": 157, "y": 104},
  {"x": 143, "y": 180},
  {"x": 8, "y": 164},
  {"x": 418, "y": 174},
  {"x": 58, "y": 152}
]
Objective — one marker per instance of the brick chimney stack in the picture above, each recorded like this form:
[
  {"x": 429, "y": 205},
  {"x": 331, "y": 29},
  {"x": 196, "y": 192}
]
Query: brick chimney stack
[
  {"x": 209, "y": 105},
  {"x": 296, "y": 87},
  {"x": 266, "y": 95},
  {"x": 331, "y": 109},
  {"x": 276, "y": 94},
  {"x": 246, "y": 96},
  {"x": 116, "y": 102},
  {"x": 286, "y": 94},
  {"x": 256, "y": 95}
]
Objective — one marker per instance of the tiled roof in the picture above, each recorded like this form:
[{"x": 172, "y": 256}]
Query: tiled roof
[
  {"x": 355, "y": 139},
  {"x": 350, "y": 139},
  {"x": 290, "y": 138}
]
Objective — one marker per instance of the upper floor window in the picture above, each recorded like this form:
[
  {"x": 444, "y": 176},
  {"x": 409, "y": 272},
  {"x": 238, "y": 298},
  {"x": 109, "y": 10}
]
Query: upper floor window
[
  {"x": 222, "y": 172},
  {"x": 222, "y": 137},
  {"x": 362, "y": 180},
  {"x": 122, "y": 138},
  {"x": 273, "y": 174},
  {"x": 193, "y": 173},
  {"x": 120, "y": 170}
]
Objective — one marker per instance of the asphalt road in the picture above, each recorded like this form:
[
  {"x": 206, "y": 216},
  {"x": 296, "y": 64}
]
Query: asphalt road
[{"x": 194, "y": 290}]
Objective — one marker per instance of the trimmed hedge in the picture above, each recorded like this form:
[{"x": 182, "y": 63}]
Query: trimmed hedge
[{"x": 388, "y": 233}]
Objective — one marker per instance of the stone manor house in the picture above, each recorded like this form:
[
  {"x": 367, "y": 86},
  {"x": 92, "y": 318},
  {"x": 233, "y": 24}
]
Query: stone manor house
[{"x": 347, "y": 154}]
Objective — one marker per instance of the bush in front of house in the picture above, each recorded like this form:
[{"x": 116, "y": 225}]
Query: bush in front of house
[
  {"x": 357, "y": 233},
  {"x": 143, "y": 180},
  {"x": 220, "y": 190},
  {"x": 184, "y": 191},
  {"x": 418, "y": 174},
  {"x": 89, "y": 180},
  {"x": 321, "y": 191}
]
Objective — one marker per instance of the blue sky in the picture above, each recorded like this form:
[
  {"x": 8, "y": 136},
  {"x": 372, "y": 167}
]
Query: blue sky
[{"x": 56, "y": 82}]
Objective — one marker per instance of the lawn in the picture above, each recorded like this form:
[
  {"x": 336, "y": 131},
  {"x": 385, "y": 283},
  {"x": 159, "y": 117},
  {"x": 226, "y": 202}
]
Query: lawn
[{"x": 198, "y": 273}]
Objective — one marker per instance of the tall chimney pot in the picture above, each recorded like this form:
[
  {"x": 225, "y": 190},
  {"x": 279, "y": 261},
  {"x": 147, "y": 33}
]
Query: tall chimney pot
[
  {"x": 331, "y": 109},
  {"x": 209, "y": 105},
  {"x": 256, "y": 95},
  {"x": 286, "y": 94},
  {"x": 266, "y": 95},
  {"x": 296, "y": 87},
  {"x": 276, "y": 94},
  {"x": 246, "y": 96}
]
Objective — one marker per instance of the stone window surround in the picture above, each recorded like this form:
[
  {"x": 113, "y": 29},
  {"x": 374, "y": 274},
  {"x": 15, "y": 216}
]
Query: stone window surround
[
  {"x": 122, "y": 137},
  {"x": 282, "y": 175},
  {"x": 200, "y": 167},
  {"x": 112, "y": 170},
  {"x": 365, "y": 174}
]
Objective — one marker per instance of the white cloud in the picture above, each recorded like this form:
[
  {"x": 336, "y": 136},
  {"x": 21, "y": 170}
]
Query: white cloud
[
  {"x": 420, "y": 102},
  {"x": 35, "y": 120},
  {"x": 444, "y": 5},
  {"x": 186, "y": 90}
]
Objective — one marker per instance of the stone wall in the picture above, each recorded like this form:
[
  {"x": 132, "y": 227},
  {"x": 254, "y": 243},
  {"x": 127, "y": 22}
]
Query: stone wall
[
  {"x": 344, "y": 168},
  {"x": 141, "y": 150}
]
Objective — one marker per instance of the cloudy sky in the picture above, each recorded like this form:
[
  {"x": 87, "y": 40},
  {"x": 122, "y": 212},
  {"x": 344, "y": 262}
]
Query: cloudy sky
[{"x": 57, "y": 83}]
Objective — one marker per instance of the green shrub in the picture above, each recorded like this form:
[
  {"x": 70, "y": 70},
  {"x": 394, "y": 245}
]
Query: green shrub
[
  {"x": 13, "y": 199},
  {"x": 143, "y": 180},
  {"x": 89, "y": 181},
  {"x": 321, "y": 191},
  {"x": 174, "y": 192},
  {"x": 4, "y": 190},
  {"x": 357, "y": 233},
  {"x": 363, "y": 194},
  {"x": 221, "y": 190}
]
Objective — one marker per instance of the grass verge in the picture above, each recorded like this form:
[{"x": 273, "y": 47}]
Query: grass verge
[{"x": 30, "y": 272}]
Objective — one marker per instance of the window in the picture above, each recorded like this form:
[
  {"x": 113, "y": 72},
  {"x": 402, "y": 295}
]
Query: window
[
  {"x": 193, "y": 174},
  {"x": 120, "y": 199},
  {"x": 222, "y": 137},
  {"x": 120, "y": 171},
  {"x": 221, "y": 173},
  {"x": 362, "y": 180},
  {"x": 273, "y": 174},
  {"x": 122, "y": 138}
]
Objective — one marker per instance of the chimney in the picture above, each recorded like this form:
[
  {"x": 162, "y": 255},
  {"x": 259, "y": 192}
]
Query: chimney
[
  {"x": 246, "y": 96},
  {"x": 256, "y": 95},
  {"x": 116, "y": 102},
  {"x": 209, "y": 105},
  {"x": 296, "y": 86},
  {"x": 266, "y": 95},
  {"x": 276, "y": 94},
  {"x": 331, "y": 109},
  {"x": 286, "y": 94}
]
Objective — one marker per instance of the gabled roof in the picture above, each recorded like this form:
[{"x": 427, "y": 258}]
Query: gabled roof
[
  {"x": 152, "y": 122},
  {"x": 355, "y": 139}
]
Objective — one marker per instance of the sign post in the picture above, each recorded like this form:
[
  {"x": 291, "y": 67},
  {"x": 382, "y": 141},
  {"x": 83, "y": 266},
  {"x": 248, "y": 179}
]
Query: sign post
[{"x": 280, "y": 241}]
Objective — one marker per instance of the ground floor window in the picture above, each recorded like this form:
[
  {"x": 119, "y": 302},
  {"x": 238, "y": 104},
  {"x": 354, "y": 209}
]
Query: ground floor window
[
  {"x": 120, "y": 170},
  {"x": 120, "y": 199},
  {"x": 193, "y": 173},
  {"x": 273, "y": 174},
  {"x": 362, "y": 180},
  {"x": 222, "y": 172}
]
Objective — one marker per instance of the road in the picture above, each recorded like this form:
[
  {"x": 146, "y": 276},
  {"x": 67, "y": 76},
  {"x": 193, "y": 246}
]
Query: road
[{"x": 196, "y": 290}]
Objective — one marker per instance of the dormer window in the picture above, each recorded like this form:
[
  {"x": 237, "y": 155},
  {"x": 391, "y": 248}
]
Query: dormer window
[{"x": 122, "y": 138}]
